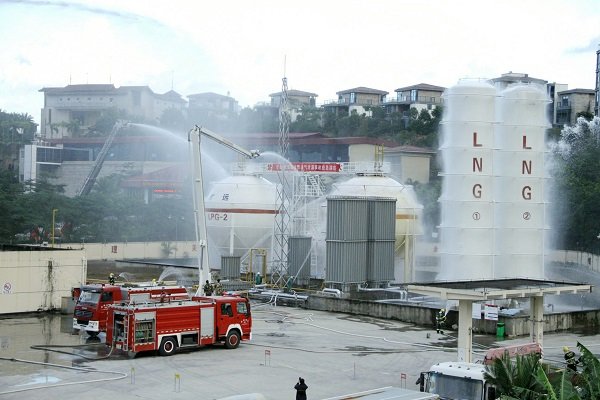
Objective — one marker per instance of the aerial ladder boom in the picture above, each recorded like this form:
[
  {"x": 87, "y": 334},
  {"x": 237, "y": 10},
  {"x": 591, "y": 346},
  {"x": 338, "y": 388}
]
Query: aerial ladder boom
[
  {"x": 221, "y": 140},
  {"x": 91, "y": 178},
  {"x": 194, "y": 138}
]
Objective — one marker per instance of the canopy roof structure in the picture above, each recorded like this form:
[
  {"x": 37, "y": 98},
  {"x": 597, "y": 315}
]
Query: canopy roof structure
[
  {"x": 496, "y": 289},
  {"x": 467, "y": 292}
]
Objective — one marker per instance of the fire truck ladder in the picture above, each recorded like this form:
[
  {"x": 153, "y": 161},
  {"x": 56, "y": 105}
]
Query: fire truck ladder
[
  {"x": 126, "y": 332},
  {"x": 91, "y": 178}
]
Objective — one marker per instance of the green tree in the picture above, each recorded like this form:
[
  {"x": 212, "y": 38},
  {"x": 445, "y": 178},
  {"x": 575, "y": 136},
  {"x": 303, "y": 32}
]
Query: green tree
[
  {"x": 107, "y": 120},
  {"x": 174, "y": 119},
  {"x": 515, "y": 379},
  {"x": 576, "y": 169},
  {"x": 428, "y": 195},
  {"x": 11, "y": 212},
  {"x": 15, "y": 130},
  {"x": 308, "y": 121},
  {"x": 349, "y": 125},
  {"x": 588, "y": 115}
]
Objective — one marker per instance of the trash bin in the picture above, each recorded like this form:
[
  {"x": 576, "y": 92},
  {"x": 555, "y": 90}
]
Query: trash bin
[{"x": 500, "y": 329}]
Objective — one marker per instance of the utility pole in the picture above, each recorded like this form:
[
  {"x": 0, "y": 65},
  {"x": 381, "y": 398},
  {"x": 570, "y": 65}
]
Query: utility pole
[{"x": 54, "y": 210}]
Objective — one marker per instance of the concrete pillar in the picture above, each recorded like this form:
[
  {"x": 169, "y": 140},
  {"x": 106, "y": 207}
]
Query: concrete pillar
[
  {"x": 537, "y": 320},
  {"x": 465, "y": 330}
]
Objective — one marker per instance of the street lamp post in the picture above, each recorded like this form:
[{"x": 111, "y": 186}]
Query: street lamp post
[{"x": 53, "y": 224}]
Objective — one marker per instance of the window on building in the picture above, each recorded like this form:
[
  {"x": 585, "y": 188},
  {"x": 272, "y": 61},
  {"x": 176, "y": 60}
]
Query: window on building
[
  {"x": 565, "y": 101},
  {"x": 352, "y": 97},
  {"x": 413, "y": 95}
]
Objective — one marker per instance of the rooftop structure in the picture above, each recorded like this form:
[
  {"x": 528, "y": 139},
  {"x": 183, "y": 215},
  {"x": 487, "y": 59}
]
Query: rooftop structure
[
  {"x": 571, "y": 102},
  {"x": 76, "y": 108}
]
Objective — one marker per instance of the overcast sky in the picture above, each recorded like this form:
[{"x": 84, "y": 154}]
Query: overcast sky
[{"x": 239, "y": 47}]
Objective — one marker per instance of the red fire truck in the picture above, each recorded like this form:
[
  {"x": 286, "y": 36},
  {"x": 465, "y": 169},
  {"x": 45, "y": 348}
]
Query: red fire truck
[
  {"x": 92, "y": 301},
  {"x": 169, "y": 326}
]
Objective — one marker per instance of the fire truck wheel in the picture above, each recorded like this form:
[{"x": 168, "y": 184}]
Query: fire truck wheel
[
  {"x": 167, "y": 346},
  {"x": 233, "y": 340}
]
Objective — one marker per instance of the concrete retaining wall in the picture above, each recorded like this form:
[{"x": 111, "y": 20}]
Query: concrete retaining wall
[
  {"x": 425, "y": 316},
  {"x": 37, "y": 280},
  {"x": 111, "y": 251}
]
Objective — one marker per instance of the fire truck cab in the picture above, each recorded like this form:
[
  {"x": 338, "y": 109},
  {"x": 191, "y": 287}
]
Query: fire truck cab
[
  {"x": 460, "y": 380},
  {"x": 457, "y": 380},
  {"x": 174, "y": 325}
]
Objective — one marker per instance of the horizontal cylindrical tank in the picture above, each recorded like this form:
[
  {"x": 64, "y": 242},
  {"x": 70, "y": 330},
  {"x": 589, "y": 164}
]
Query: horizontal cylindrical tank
[{"x": 240, "y": 213}]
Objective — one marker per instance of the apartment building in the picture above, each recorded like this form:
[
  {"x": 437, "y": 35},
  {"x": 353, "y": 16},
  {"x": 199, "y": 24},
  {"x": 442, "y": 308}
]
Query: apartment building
[
  {"x": 420, "y": 96},
  {"x": 213, "y": 103},
  {"x": 80, "y": 106},
  {"x": 356, "y": 99},
  {"x": 572, "y": 102},
  {"x": 295, "y": 98}
]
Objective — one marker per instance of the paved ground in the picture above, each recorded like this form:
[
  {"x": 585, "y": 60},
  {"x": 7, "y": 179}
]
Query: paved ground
[{"x": 336, "y": 354}]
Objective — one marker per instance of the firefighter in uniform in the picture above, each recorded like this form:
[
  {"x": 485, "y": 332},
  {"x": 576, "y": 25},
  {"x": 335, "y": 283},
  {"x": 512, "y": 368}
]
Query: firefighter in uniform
[
  {"x": 208, "y": 288},
  {"x": 440, "y": 320},
  {"x": 219, "y": 288},
  {"x": 111, "y": 278},
  {"x": 570, "y": 359}
]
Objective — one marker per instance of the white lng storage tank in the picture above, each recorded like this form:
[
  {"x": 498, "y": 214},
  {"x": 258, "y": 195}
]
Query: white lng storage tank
[
  {"x": 467, "y": 227},
  {"x": 240, "y": 213},
  {"x": 493, "y": 196},
  {"x": 520, "y": 209}
]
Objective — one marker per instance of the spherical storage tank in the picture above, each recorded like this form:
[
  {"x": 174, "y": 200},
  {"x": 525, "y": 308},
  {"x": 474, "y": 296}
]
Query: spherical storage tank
[
  {"x": 240, "y": 212},
  {"x": 408, "y": 210}
]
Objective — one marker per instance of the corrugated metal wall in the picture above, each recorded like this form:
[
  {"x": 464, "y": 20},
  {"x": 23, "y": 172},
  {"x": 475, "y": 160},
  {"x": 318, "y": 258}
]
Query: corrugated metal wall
[
  {"x": 380, "y": 261},
  {"x": 346, "y": 262},
  {"x": 347, "y": 218},
  {"x": 230, "y": 267},
  {"x": 299, "y": 256},
  {"x": 360, "y": 239},
  {"x": 382, "y": 218},
  {"x": 382, "y": 238}
]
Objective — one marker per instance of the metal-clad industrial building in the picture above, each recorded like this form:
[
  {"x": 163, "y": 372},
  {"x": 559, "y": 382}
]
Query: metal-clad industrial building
[{"x": 360, "y": 240}]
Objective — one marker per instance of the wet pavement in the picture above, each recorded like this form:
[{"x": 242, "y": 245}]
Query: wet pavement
[{"x": 336, "y": 354}]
